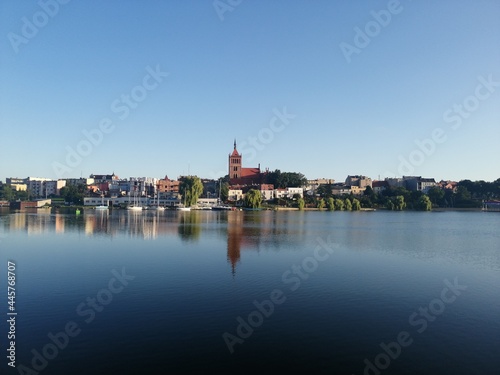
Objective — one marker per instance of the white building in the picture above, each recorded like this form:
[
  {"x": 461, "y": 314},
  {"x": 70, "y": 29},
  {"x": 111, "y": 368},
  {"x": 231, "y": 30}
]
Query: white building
[
  {"x": 235, "y": 194},
  {"x": 170, "y": 201},
  {"x": 53, "y": 187},
  {"x": 267, "y": 194},
  {"x": 36, "y": 186},
  {"x": 288, "y": 192},
  {"x": 207, "y": 202},
  {"x": 291, "y": 191}
]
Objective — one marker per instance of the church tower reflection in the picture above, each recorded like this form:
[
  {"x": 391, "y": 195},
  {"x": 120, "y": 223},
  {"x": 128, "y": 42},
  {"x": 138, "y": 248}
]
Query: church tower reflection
[
  {"x": 234, "y": 237},
  {"x": 245, "y": 231}
]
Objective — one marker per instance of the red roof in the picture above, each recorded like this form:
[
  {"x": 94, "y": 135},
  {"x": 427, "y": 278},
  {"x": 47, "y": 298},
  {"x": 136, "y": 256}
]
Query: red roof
[
  {"x": 235, "y": 153},
  {"x": 250, "y": 172}
]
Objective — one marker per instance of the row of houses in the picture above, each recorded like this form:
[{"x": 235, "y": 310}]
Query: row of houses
[
  {"x": 108, "y": 185},
  {"x": 267, "y": 192},
  {"x": 357, "y": 184}
]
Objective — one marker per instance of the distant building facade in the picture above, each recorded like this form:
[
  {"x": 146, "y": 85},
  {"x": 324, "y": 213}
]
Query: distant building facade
[
  {"x": 168, "y": 186},
  {"x": 359, "y": 181},
  {"x": 417, "y": 183},
  {"x": 379, "y": 186}
]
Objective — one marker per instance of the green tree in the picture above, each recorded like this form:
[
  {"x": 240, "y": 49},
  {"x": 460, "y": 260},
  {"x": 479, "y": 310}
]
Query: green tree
[
  {"x": 399, "y": 203},
  {"x": 366, "y": 202},
  {"x": 322, "y": 191},
  {"x": 301, "y": 203},
  {"x": 414, "y": 199},
  {"x": 73, "y": 193},
  {"x": 347, "y": 204},
  {"x": 389, "y": 204},
  {"x": 320, "y": 203},
  {"x": 369, "y": 192},
  {"x": 330, "y": 204},
  {"x": 463, "y": 194},
  {"x": 7, "y": 193},
  {"x": 191, "y": 189},
  {"x": 22, "y": 195},
  {"x": 339, "y": 204},
  {"x": 436, "y": 195},
  {"x": 286, "y": 179},
  {"x": 356, "y": 205},
  {"x": 224, "y": 191},
  {"x": 253, "y": 198},
  {"x": 424, "y": 203}
]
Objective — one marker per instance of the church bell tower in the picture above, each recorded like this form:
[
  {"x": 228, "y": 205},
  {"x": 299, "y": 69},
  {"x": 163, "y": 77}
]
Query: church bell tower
[{"x": 234, "y": 164}]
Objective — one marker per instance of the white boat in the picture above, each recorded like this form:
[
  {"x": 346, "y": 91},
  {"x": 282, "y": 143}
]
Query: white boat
[
  {"x": 157, "y": 207},
  {"x": 182, "y": 207},
  {"x": 102, "y": 206},
  {"x": 219, "y": 206},
  {"x": 135, "y": 206}
]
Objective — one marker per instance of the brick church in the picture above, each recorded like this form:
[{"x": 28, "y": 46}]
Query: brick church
[{"x": 243, "y": 176}]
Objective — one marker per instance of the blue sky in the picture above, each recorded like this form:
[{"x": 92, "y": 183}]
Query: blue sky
[{"x": 231, "y": 70}]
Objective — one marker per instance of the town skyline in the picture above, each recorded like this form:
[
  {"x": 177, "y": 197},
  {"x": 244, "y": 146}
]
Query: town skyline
[{"x": 229, "y": 166}]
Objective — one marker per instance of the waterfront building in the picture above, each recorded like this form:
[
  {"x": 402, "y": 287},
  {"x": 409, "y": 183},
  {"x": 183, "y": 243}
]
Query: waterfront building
[{"x": 167, "y": 185}]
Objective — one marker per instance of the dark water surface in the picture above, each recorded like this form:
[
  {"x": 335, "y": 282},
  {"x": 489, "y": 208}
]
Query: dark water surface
[{"x": 285, "y": 292}]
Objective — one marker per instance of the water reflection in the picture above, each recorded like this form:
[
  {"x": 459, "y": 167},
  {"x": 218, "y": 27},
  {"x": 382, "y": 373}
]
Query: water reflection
[
  {"x": 241, "y": 230},
  {"x": 189, "y": 228},
  {"x": 410, "y": 234}
]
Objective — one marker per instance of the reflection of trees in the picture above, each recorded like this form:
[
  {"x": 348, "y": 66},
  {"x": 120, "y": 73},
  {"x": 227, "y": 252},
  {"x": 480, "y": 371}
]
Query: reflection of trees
[{"x": 189, "y": 228}]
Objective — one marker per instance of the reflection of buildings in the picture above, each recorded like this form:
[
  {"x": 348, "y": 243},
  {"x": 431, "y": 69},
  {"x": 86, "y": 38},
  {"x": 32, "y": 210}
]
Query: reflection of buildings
[
  {"x": 246, "y": 231},
  {"x": 146, "y": 225},
  {"x": 234, "y": 238},
  {"x": 59, "y": 224},
  {"x": 242, "y": 230}
]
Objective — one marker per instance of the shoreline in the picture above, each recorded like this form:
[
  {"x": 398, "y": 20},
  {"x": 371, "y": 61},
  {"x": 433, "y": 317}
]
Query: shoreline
[{"x": 69, "y": 209}]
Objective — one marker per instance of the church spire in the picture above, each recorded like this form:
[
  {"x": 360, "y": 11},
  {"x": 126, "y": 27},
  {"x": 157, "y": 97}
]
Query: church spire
[{"x": 235, "y": 143}]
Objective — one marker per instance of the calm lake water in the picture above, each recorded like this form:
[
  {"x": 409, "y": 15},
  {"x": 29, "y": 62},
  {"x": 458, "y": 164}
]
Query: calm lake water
[{"x": 251, "y": 292}]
